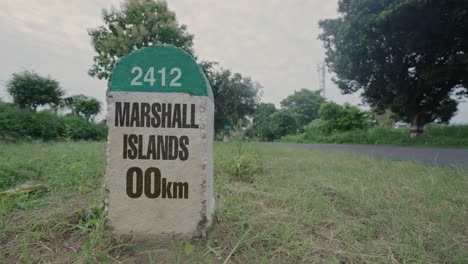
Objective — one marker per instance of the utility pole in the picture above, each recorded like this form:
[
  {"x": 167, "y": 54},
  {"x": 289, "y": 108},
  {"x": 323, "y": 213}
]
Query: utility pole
[{"x": 321, "y": 75}]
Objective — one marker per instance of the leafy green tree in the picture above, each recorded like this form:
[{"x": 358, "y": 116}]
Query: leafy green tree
[
  {"x": 235, "y": 96},
  {"x": 81, "y": 105},
  {"x": 30, "y": 90},
  {"x": 305, "y": 103},
  {"x": 138, "y": 24},
  {"x": 341, "y": 118},
  {"x": 408, "y": 56},
  {"x": 284, "y": 123},
  {"x": 263, "y": 126}
]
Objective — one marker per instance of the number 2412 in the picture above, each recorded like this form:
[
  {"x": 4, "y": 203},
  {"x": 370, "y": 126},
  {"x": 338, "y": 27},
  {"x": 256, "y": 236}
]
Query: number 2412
[{"x": 149, "y": 76}]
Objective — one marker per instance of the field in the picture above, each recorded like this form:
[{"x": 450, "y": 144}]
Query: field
[{"x": 274, "y": 205}]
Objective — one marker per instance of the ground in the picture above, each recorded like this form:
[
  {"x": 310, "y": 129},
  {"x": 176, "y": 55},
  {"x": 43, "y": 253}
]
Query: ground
[{"x": 274, "y": 205}]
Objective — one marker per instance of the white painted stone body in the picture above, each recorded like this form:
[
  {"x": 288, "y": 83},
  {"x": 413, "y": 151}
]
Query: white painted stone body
[{"x": 158, "y": 220}]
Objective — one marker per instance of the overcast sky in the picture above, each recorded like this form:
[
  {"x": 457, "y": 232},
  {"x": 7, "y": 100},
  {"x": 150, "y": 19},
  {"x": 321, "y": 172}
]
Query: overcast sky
[{"x": 272, "y": 41}]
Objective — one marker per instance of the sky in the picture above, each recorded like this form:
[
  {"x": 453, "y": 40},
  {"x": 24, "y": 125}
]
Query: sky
[{"x": 272, "y": 41}]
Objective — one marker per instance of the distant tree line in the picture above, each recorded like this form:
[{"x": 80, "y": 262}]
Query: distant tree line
[
  {"x": 29, "y": 90},
  {"x": 21, "y": 119},
  {"x": 302, "y": 110}
]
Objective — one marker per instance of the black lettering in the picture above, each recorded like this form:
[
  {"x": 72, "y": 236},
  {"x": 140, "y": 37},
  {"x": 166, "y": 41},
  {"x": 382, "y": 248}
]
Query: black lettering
[
  {"x": 180, "y": 188},
  {"x": 162, "y": 148},
  {"x": 130, "y": 182},
  {"x": 173, "y": 147},
  {"x": 154, "y": 173},
  {"x": 125, "y": 139},
  {"x": 184, "y": 117},
  {"x": 176, "y": 116},
  {"x": 151, "y": 153},
  {"x": 144, "y": 115},
  {"x": 140, "y": 148},
  {"x": 135, "y": 120},
  {"x": 166, "y": 115},
  {"x": 132, "y": 152},
  {"x": 166, "y": 189},
  {"x": 122, "y": 115},
  {"x": 192, "y": 117},
  {"x": 183, "y": 153},
  {"x": 156, "y": 120}
]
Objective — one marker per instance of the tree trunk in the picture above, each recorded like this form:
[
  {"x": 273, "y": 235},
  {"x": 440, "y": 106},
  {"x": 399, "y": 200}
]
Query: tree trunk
[{"x": 417, "y": 126}]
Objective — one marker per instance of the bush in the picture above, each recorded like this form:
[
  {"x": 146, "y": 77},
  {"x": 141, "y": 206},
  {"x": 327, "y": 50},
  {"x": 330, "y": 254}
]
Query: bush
[
  {"x": 342, "y": 118},
  {"x": 17, "y": 124},
  {"x": 241, "y": 166},
  {"x": 317, "y": 127},
  {"x": 434, "y": 135}
]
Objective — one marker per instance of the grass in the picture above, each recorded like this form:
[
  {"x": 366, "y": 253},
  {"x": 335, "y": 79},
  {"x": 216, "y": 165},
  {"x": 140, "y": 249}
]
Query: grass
[
  {"x": 302, "y": 206},
  {"x": 433, "y": 136}
]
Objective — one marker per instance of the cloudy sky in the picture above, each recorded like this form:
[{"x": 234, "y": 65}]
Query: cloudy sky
[{"x": 272, "y": 41}]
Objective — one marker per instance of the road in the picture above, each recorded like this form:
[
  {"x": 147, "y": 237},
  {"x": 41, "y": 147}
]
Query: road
[{"x": 431, "y": 156}]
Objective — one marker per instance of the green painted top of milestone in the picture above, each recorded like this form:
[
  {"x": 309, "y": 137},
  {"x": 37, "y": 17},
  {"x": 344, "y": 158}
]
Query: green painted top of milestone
[{"x": 159, "y": 69}]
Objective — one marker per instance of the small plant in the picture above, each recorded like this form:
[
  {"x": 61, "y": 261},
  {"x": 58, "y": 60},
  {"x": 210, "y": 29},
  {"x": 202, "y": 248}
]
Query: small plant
[{"x": 240, "y": 161}]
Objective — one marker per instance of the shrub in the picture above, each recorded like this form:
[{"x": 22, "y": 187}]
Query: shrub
[
  {"x": 342, "y": 118},
  {"x": 18, "y": 123},
  {"x": 239, "y": 161},
  {"x": 434, "y": 135}
]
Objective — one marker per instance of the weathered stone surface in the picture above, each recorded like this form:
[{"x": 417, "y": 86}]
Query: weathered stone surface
[{"x": 159, "y": 179}]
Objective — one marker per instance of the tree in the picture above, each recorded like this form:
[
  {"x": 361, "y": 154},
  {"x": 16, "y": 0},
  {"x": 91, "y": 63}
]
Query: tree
[
  {"x": 305, "y": 103},
  {"x": 138, "y": 24},
  {"x": 284, "y": 123},
  {"x": 29, "y": 90},
  {"x": 270, "y": 124},
  {"x": 408, "y": 56},
  {"x": 235, "y": 96},
  {"x": 81, "y": 105},
  {"x": 263, "y": 126},
  {"x": 341, "y": 118}
]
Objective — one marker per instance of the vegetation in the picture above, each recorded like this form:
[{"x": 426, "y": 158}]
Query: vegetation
[
  {"x": 20, "y": 124},
  {"x": 263, "y": 127},
  {"x": 407, "y": 56},
  {"x": 302, "y": 207},
  {"x": 297, "y": 110},
  {"x": 336, "y": 118},
  {"x": 30, "y": 90},
  {"x": 235, "y": 96},
  {"x": 84, "y": 106},
  {"x": 139, "y": 23},
  {"x": 305, "y": 104},
  {"x": 434, "y": 135}
]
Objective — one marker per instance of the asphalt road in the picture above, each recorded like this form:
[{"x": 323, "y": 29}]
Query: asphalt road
[{"x": 431, "y": 156}]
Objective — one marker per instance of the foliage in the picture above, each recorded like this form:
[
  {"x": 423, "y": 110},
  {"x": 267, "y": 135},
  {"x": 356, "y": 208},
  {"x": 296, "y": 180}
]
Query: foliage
[
  {"x": 284, "y": 122},
  {"x": 245, "y": 163},
  {"x": 408, "y": 56},
  {"x": 86, "y": 107},
  {"x": 235, "y": 96},
  {"x": 305, "y": 103},
  {"x": 138, "y": 24},
  {"x": 22, "y": 124},
  {"x": 270, "y": 124},
  {"x": 262, "y": 125},
  {"x": 434, "y": 135},
  {"x": 30, "y": 90},
  {"x": 385, "y": 118},
  {"x": 341, "y": 118}
]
